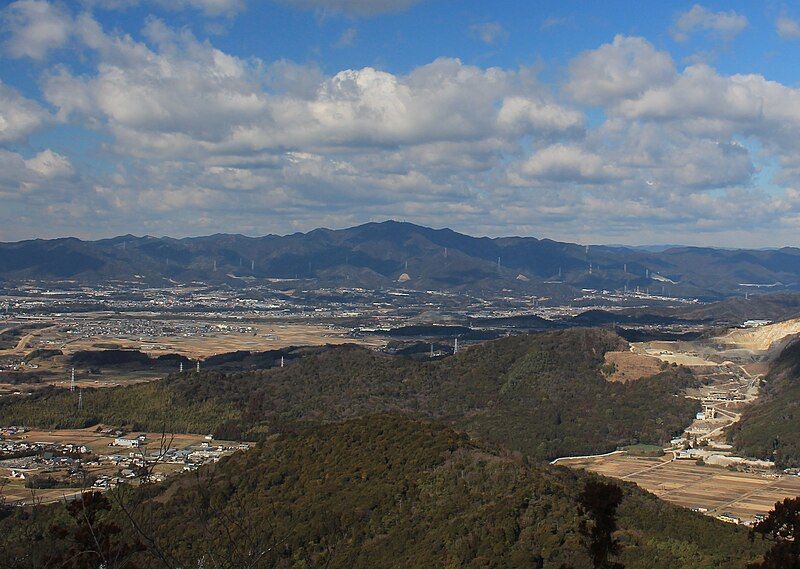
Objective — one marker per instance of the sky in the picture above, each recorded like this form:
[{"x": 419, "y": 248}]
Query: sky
[{"x": 594, "y": 122}]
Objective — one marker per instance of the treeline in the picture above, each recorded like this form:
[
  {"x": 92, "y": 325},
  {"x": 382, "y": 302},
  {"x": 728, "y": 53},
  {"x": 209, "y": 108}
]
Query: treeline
[
  {"x": 147, "y": 406},
  {"x": 542, "y": 395},
  {"x": 770, "y": 428},
  {"x": 380, "y": 491}
]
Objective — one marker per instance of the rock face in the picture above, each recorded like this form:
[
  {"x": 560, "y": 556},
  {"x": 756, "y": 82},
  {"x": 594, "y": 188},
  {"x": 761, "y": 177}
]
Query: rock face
[
  {"x": 762, "y": 338},
  {"x": 404, "y": 278}
]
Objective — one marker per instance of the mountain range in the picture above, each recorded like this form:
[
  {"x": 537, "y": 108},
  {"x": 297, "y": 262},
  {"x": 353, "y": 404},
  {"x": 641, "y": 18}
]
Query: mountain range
[{"x": 393, "y": 253}]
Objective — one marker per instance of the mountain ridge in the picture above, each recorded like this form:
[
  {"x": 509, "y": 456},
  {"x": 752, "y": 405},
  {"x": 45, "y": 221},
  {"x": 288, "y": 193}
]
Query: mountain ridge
[{"x": 375, "y": 255}]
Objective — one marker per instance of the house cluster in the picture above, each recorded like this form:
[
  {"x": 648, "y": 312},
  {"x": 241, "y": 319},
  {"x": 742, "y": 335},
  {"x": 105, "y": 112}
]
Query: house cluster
[{"x": 52, "y": 452}]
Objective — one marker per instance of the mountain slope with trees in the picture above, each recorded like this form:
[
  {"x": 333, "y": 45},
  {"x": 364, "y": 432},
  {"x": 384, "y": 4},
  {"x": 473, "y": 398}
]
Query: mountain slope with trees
[
  {"x": 770, "y": 428},
  {"x": 377, "y": 254},
  {"x": 543, "y": 395},
  {"x": 380, "y": 491}
]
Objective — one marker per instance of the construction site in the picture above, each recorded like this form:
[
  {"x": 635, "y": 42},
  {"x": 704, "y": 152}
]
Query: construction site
[{"x": 699, "y": 469}]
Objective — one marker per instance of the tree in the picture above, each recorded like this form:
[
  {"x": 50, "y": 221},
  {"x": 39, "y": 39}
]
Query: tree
[
  {"x": 96, "y": 540},
  {"x": 782, "y": 527},
  {"x": 600, "y": 501}
]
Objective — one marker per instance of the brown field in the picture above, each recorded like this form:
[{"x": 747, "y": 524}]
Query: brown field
[
  {"x": 266, "y": 336},
  {"x": 262, "y": 337},
  {"x": 686, "y": 484},
  {"x": 631, "y": 366},
  {"x": 107, "y": 379},
  {"x": 99, "y": 443}
]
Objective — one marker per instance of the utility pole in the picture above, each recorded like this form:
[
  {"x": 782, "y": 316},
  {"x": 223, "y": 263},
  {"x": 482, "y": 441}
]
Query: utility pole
[
  {"x": 282, "y": 362},
  {"x": 198, "y": 366}
]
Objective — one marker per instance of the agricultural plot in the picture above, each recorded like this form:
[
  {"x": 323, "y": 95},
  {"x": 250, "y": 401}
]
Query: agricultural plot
[{"x": 715, "y": 490}]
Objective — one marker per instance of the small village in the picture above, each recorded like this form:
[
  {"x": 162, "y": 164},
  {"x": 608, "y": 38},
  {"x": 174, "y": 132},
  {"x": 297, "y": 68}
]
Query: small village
[{"x": 46, "y": 466}]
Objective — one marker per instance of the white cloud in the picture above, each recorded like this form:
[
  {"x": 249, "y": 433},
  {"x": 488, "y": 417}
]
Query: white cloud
[
  {"x": 206, "y": 7},
  {"x": 520, "y": 115},
  {"x": 787, "y": 28},
  {"x": 34, "y": 27},
  {"x": 189, "y": 100},
  {"x": 50, "y": 165},
  {"x": 204, "y": 140},
  {"x": 562, "y": 163},
  {"x": 624, "y": 68},
  {"x": 353, "y": 7},
  {"x": 726, "y": 25},
  {"x": 488, "y": 32},
  {"x": 19, "y": 116}
]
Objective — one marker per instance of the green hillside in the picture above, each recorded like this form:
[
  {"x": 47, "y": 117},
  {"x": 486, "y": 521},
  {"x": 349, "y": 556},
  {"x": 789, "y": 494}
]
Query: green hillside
[
  {"x": 381, "y": 491},
  {"x": 769, "y": 428},
  {"x": 542, "y": 395}
]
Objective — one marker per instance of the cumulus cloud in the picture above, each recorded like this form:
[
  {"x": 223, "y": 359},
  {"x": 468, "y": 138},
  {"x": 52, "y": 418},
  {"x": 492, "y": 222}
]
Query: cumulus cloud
[
  {"x": 488, "y": 32},
  {"x": 34, "y": 27},
  {"x": 726, "y": 25},
  {"x": 50, "y": 165},
  {"x": 190, "y": 100},
  {"x": 787, "y": 28},
  {"x": 19, "y": 116},
  {"x": 353, "y": 7},
  {"x": 198, "y": 138},
  {"x": 520, "y": 114},
  {"x": 624, "y": 68},
  {"x": 562, "y": 163}
]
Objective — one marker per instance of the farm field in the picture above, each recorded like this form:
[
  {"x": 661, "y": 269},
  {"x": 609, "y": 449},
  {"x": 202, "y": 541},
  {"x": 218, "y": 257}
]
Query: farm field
[
  {"x": 714, "y": 489},
  {"x": 213, "y": 337}
]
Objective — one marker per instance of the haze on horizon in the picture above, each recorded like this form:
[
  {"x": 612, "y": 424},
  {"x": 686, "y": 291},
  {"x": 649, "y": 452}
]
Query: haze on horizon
[{"x": 672, "y": 123}]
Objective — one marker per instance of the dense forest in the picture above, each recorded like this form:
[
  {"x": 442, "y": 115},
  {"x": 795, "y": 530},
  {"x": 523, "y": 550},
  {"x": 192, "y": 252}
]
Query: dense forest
[
  {"x": 379, "y": 491},
  {"x": 543, "y": 395},
  {"x": 770, "y": 427}
]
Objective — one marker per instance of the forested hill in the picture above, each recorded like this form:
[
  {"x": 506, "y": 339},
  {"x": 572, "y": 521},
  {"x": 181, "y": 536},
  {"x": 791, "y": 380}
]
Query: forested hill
[
  {"x": 376, "y": 492},
  {"x": 378, "y": 254},
  {"x": 543, "y": 395},
  {"x": 770, "y": 428}
]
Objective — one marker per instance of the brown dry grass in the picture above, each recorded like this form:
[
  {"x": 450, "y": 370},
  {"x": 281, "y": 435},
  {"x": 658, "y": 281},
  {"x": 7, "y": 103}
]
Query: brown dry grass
[{"x": 630, "y": 366}]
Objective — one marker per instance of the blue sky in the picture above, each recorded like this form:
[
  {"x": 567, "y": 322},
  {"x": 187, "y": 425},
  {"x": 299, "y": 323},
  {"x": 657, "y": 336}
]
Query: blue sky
[{"x": 614, "y": 122}]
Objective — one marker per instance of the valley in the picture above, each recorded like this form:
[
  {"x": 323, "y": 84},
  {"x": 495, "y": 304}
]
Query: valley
[{"x": 700, "y": 469}]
